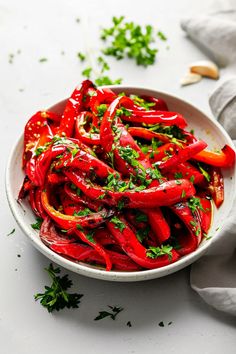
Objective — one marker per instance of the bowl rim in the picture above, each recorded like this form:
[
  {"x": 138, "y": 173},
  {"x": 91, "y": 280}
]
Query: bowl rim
[{"x": 90, "y": 271}]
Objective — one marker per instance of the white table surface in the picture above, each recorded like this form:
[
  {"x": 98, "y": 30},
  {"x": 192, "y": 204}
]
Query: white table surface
[{"x": 45, "y": 29}]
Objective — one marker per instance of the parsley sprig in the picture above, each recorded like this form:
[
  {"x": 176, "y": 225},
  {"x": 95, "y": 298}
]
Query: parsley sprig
[
  {"x": 112, "y": 314},
  {"x": 155, "y": 252},
  {"x": 56, "y": 296}
]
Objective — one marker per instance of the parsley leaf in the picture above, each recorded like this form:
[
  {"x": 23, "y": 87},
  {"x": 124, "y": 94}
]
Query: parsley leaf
[
  {"x": 154, "y": 252},
  {"x": 56, "y": 296},
  {"x": 81, "y": 56},
  {"x": 205, "y": 173},
  {"x": 119, "y": 224},
  {"x": 194, "y": 203},
  {"x": 12, "y": 232},
  {"x": 127, "y": 39},
  {"x": 114, "y": 312},
  {"x": 37, "y": 224}
]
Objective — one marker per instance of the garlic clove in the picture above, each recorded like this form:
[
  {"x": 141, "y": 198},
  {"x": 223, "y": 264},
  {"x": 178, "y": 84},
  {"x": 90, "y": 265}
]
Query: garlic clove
[
  {"x": 205, "y": 68},
  {"x": 190, "y": 78}
]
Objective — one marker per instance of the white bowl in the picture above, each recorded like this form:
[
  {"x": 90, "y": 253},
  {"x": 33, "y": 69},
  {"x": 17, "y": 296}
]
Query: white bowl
[{"x": 204, "y": 128}]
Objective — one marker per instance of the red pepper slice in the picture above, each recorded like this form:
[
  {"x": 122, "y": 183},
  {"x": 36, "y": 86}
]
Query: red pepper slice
[
  {"x": 188, "y": 242},
  {"x": 135, "y": 250},
  {"x": 187, "y": 171},
  {"x": 87, "y": 137},
  {"x": 226, "y": 158},
  {"x": 160, "y": 104},
  {"x": 144, "y": 133},
  {"x": 67, "y": 222},
  {"x": 183, "y": 155},
  {"x": 216, "y": 186},
  {"x": 86, "y": 254},
  {"x": 206, "y": 213},
  {"x": 85, "y": 237},
  {"x": 167, "y": 193},
  {"x": 37, "y": 133},
  {"x": 50, "y": 236},
  {"x": 73, "y": 107},
  {"x": 85, "y": 162},
  {"x": 155, "y": 117}
]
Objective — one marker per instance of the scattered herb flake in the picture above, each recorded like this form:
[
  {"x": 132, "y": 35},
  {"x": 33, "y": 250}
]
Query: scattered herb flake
[
  {"x": 12, "y": 232},
  {"x": 161, "y": 324},
  {"x": 114, "y": 312},
  {"x": 43, "y": 60},
  {"x": 129, "y": 324}
]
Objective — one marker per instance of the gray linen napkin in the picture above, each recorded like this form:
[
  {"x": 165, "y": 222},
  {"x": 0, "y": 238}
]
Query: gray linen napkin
[{"x": 214, "y": 275}]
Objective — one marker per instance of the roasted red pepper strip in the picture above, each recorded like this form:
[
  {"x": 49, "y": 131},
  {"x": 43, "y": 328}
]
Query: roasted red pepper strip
[
  {"x": 87, "y": 163},
  {"x": 37, "y": 168},
  {"x": 183, "y": 155},
  {"x": 67, "y": 222},
  {"x": 87, "y": 137},
  {"x": 50, "y": 236},
  {"x": 160, "y": 104},
  {"x": 102, "y": 96},
  {"x": 155, "y": 117},
  {"x": 83, "y": 200},
  {"x": 188, "y": 171},
  {"x": 87, "y": 254},
  {"x": 158, "y": 224},
  {"x": 216, "y": 186},
  {"x": 163, "y": 152},
  {"x": 87, "y": 238},
  {"x": 165, "y": 194},
  {"x": 135, "y": 250},
  {"x": 206, "y": 213},
  {"x": 188, "y": 242},
  {"x": 73, "y": 107},
  {"x": 144, "y": 133},
  {"x": 226, "y": 158},
  {"x": 37, "y": 133}
]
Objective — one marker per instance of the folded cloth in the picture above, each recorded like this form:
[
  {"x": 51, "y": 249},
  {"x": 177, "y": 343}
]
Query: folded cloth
[
  {"x": 223, "y": 105},
  {"x": 215, "y": 34},
  {"x": 214, "y": 275}
]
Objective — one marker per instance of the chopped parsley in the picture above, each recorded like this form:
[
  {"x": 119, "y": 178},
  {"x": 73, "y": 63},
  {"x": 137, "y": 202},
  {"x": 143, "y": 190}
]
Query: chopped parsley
[
  {"x": 155, "y": 252},
  {"x": 81, "y": 56},
  {"x": 43, "y": 60},
  {"x": 87, "y": 72},
  {"x": 183, "y": 194},
  {"x": 142, "y": 234},
  {"x": 89, "y": 236},
  {"x": 55, "y": 296},
  {"x": 12, "y": 232},
  {"x": 141, "y": 217},
  {"x": 118, "y": 223},
  {"x": 112, "y": 314},
  {"x": 178, "y": 175},
  {"x": 171, "y": 131},
  {"x": 205, "y": 173},
  {"x": 37, "y": 224},
  {"x": 128, "y": 39},
  {"x": 141, "y": 102},
  {"x": 84, "y": 212},
  {"x": 194, "y": 204},
  {"x": 101, "y": 109}
]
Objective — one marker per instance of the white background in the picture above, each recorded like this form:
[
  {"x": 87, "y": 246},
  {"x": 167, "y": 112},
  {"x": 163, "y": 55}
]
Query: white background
[{"x": 45, "y": 29}]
